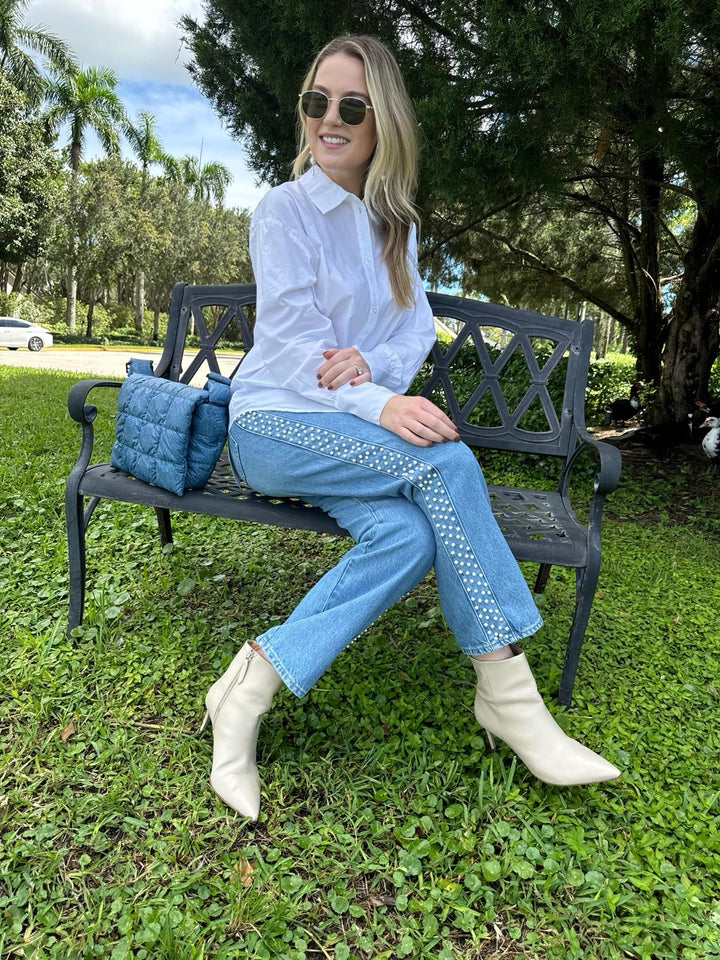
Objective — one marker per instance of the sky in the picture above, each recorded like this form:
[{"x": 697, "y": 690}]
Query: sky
[{"x": 141, "y": 42}]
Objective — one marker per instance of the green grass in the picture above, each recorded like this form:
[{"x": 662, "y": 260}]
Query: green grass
[{"x": 388, "y": 828}]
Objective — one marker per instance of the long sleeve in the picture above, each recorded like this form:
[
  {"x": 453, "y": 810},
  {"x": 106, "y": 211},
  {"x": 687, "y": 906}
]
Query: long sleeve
[
  {"x": 395, "y": 362},
  {"x": 291, "y": 331},
  {"x": 322, "y": 283}
]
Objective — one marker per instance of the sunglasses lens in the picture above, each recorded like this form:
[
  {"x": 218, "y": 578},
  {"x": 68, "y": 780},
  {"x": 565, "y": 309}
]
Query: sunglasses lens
[
  {"x": 314, "y": 104},
  {"x": 352, "y": 110}
]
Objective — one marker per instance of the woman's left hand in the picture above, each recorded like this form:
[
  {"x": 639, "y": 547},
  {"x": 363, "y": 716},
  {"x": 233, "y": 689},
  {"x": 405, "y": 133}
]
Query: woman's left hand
[{"x": 342, "y": 365}]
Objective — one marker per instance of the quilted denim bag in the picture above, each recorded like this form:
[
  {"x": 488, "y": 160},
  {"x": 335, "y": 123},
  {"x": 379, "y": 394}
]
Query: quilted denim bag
[{"x": 168, "y": 433}]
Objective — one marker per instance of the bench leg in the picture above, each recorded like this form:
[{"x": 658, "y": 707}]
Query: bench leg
[
  {"x": 75, "y": 525},
  {"x": 164, "y": 525},
  {"x": 586, "y": 581},
  {"x": 542, "y": 577}
]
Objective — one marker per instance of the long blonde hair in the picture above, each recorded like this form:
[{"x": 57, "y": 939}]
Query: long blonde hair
[{"x": 391, "y": 177}]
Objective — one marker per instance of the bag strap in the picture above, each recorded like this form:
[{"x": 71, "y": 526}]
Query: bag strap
[
  {"x": 218, "y": 388},
  {"x": 136, "y": 365}
]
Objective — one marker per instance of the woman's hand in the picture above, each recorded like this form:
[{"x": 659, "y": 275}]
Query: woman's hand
[
  {"x": 418, "y": 420},
  {"x": 341, "y": 366}
]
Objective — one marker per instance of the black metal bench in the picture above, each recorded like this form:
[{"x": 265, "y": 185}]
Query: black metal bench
[{"x": 523, "y": 392}]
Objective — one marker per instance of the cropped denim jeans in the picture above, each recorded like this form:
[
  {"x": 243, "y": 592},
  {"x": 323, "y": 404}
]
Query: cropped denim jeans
[{"x": 408, "y": 508}]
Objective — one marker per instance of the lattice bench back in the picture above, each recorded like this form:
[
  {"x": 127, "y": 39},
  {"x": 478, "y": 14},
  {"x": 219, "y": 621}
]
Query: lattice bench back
[{"x": 510, "y": 380}]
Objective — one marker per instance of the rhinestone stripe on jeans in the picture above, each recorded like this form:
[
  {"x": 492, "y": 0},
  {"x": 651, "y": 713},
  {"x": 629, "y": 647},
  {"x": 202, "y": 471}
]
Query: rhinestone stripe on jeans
[
  {"x": 424, "y": 477},
  {"x": 351, "y": 459}
]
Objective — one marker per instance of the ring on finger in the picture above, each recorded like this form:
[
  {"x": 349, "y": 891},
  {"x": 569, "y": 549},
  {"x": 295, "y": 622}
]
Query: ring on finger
[{"x": 360, "y": 371}]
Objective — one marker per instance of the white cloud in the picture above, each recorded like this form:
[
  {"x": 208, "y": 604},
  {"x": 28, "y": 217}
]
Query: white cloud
[
  {"x": 142, "y": 42},
  {"x": 139, "y": 39}
]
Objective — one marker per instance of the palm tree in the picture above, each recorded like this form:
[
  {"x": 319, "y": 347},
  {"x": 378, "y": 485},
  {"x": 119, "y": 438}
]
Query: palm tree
[
  {"x": 16, "y": 63},
  {"x": 203, "y": 180},
  {"x": 87, "y": 100},
  {"x": 146, "y": 145}
]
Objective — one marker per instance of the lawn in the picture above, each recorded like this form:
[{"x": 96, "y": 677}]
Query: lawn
[{"x": 388, "y": 828}]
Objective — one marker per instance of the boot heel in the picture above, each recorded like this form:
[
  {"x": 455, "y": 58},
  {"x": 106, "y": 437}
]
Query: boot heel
[
  {"x": 491, "y": 739},
  {"x": 205, "y": 721}
]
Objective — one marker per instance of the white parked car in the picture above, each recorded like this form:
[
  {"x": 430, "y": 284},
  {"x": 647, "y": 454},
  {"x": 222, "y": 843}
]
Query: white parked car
[{"x": 16, "y": 333}]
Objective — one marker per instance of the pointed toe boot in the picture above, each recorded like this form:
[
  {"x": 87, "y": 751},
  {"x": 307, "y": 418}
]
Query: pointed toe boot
[
  {"x": 235, "y": 706},
  {"x": 509, "y": 707}
]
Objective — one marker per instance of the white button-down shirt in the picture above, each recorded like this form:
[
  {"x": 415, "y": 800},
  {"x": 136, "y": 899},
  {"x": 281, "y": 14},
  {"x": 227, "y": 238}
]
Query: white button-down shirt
[{"x": 322, "y": 283}]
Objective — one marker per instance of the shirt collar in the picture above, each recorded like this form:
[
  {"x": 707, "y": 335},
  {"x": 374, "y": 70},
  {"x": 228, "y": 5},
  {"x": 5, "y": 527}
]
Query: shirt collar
[{"x": 324, "y": 192}]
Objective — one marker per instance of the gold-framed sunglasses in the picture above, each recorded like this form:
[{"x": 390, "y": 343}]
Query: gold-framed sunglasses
[{"x": 315, "y": 104}]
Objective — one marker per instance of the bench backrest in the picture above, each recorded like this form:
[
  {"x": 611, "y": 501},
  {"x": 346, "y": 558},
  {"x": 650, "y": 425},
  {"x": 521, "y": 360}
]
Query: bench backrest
[{"x": 510, "y": 380}]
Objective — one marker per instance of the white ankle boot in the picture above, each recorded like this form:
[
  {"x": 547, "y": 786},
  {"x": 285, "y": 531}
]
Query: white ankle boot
[
  {"x": 508, "y": 706},
  {"x": 235, "y": 705}
]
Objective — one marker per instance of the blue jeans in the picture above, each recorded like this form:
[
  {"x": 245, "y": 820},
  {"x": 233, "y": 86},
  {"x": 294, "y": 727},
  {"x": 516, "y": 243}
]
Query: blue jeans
[{"x": 408, "y": 508}]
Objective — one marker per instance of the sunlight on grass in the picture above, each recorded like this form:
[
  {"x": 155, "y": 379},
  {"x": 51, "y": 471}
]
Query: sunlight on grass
[{"x": 388, "y": 828}]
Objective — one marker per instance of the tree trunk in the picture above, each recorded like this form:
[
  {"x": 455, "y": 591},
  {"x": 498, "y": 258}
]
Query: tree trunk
[
  {"x": 693, "y": 341},
  {"x": 691, "y": 350},
  {"x": 71, "y": 296},
  {"x": 156, "y": 323},
  {"x": 72, "y": 248},
  {"x": 90, "y": 313},
  {"x": 599, "y": 336},
  {"x": 649, "y": 333},
  {"x": 17, "y": 282},
  {"x": 31, "y": 276},
  {"x": 139, "y": 301}
]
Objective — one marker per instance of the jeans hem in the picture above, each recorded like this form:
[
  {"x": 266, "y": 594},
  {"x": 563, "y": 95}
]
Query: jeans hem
[
  {"x": 527, "y": 632},
  {"x": 264, "y": 642}
]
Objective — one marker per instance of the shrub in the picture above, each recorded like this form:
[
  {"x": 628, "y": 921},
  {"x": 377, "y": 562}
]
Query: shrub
[
  {"x": 22, "y": 306},
  {"x": 608, "y": 379}
]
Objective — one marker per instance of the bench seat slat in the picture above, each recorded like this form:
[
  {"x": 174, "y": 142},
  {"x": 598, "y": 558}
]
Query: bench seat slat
[{"x": 535, "y": 523}]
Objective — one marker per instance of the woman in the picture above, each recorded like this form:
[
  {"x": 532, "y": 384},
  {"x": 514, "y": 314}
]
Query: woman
[{"x": 319, "y": 411}]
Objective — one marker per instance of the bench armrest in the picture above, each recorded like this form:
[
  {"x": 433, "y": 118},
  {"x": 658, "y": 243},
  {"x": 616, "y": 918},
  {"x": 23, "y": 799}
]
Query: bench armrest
[
  {"x": 78, "y": 410},
  {"x": 84, "y": 414},
  {"x": 608, "y": 476}
]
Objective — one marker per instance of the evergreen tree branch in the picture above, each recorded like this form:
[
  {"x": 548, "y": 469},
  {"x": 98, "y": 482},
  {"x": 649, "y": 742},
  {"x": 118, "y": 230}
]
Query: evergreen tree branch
[
  {"x": 533, "y": 262},
  {"x": 429, "y": 252},
  {"x": 418, "y": 12}
]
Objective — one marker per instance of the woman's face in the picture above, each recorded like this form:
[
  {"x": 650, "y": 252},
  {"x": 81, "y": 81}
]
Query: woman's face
[{"x": 342, "y": 150}]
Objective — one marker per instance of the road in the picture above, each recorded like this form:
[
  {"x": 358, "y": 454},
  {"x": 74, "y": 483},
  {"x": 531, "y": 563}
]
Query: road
[{"x": 99, "y": 362}]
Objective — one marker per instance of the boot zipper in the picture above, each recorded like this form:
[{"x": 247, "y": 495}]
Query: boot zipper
[
  {"x": 238, "y": 679},
  {"x": 244, "y": 669},
  {"x": 241, "y": 674}
]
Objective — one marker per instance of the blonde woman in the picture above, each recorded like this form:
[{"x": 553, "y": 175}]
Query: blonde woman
[{"x": 319, "y": 411}]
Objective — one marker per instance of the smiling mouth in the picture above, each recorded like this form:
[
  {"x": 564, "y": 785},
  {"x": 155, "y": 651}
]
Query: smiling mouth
[{"x": 334, "y": 140}]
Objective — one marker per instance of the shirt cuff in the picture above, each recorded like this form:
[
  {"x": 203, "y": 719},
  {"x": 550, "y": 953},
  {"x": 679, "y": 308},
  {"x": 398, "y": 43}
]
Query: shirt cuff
[
  {"x": 385, "y": 366},
  {"x": 366, "y": 400}
]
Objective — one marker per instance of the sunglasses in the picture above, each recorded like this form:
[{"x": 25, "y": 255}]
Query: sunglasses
[{"x": 352, "y": 110}]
